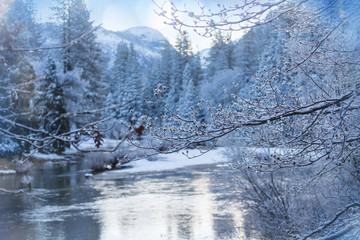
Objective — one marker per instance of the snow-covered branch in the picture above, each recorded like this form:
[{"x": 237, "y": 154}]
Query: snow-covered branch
[
  {"x": 239, "y": 17},
  {"x": 333, "y": 220}
]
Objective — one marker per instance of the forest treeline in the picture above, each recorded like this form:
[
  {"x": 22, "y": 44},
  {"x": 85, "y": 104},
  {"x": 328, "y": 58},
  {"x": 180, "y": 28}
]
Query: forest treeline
[{"x": 43, "y": 85}]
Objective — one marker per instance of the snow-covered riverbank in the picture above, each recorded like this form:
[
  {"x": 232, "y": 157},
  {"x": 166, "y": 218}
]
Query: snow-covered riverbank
[
  {"x": 7, "y": 172},
  {"x": 170, "y": 162},
  {"x": 156, "y": 163}
]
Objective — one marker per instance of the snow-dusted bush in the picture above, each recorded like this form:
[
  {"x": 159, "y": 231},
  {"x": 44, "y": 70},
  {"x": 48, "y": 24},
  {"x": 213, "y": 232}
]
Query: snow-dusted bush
[
  {"x": 289, "y": 203},
  {"x": 99, "y": 161}
]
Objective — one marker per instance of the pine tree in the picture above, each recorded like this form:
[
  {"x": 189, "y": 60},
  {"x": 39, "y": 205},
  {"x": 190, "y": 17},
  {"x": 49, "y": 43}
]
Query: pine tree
[
  {"x": 18, "y": 30},
  {"x": 196, "y": 70},
  {"x": 84, "y": 54},
  {"x": 133, "y": 86},
  {"x": 160, "y": 72},
  {"x": 128, "y": 82},
  {"x": 275, "y": 59},
  {"x": 51, "y": 106},
  {"x": 248, "y": 51},
  {"x": 180, "y": 58},
  {"x": 7, "y": 103},
  {"x": 220, "y": 56},
  {"x": 165, "y": 67},
  {"x": 150, "y": 105},
  {"x": 190, "y": 96},
  {"x": 22, "y": 78},
  {"x": 183, "y": 45},
  {"x": 118, "y": 77}
]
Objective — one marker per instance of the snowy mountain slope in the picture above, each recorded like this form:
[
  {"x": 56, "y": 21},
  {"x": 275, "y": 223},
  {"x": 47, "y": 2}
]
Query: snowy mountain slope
[
  {"x": 148, "y": 42},
  {"x": 204, "y": 55},
  {"x": 145, "y": 35}
]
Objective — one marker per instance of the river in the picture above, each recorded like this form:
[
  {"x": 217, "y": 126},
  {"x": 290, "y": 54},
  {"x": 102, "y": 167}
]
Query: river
[{"x": 196, "y": 202}]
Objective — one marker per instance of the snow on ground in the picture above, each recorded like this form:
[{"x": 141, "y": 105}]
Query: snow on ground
[
  {"x": 173, "y": 161},
  {"x": 161, "y": 162},
  {"x": 47, "y": 156},
  {"x": 84, "y": 145},
  {"x": 7, "y": 172}
]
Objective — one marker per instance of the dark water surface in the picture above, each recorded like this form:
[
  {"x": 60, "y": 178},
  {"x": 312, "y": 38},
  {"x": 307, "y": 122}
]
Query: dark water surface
[{"x": 192, "y": 203}]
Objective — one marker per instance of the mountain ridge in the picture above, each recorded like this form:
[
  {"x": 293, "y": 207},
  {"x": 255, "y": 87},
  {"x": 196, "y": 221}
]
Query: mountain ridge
[{"x": 148, "y": 42}]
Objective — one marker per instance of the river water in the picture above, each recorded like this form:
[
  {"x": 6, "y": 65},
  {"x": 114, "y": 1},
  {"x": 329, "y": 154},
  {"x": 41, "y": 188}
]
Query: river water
[{"x": 190, "y": 203}]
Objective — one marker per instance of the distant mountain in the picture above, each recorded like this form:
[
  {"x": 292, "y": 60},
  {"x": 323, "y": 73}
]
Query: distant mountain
[
  {"x": 147, "y": 41},
  {"x": 204, "y": 55}
]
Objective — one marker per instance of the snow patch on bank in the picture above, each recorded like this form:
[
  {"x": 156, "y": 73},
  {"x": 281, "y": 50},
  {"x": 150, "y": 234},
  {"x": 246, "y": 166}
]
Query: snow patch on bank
[
  {"x": 7, "y": 172},
  {"x": 173, "y": 161},
  {"x": 47, "y": 156}
]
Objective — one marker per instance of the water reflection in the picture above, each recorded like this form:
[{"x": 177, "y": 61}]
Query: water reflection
[{"x": 190, "y": 204}]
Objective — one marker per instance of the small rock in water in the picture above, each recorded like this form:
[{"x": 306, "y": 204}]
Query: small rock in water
[{"x": 88, "y": 175}]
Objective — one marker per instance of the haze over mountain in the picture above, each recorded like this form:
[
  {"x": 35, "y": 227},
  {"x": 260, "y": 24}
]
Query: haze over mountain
[{"x": 148, "y": 42}]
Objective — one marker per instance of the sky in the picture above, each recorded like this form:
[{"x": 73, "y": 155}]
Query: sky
[{"x": 119, "y": 15}]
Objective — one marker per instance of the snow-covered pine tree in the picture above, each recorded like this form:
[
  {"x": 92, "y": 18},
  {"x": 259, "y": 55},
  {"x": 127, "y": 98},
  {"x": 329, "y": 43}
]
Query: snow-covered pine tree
[
  {"x": 180, "y": 58},
  {"x": 86, "y": 54},
  {"x": 220, "y": 55},
  {"x": 165, "y": 67},
  {"x": 160, "y": 74},
  {"x": 18, "y": 30},
  {"x": 190, "y": 96},
  {"x": 23, "y": 78},
  {"x": 21, "y": 28},
  {"x": 118, "y": 78},
  {"x": 153, "y": 79},
  {"x": 7, "y": 103},
  {"x": 196, "y": 70},
  {"x": 132, "y": 87},
  {"x": 248, "y": 50},
  {"x": 192, "y": 78},
  {"x": 50, "y": 104},
  {"x": 127, "y": 83},
  {"x": 275, "y": 60}
]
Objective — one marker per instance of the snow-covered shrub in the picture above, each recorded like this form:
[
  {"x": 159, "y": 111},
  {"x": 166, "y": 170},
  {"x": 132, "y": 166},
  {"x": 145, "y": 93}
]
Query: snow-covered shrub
[
  {"x": 99, "y": 161},
  {"x": 288, "y": 203}
]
